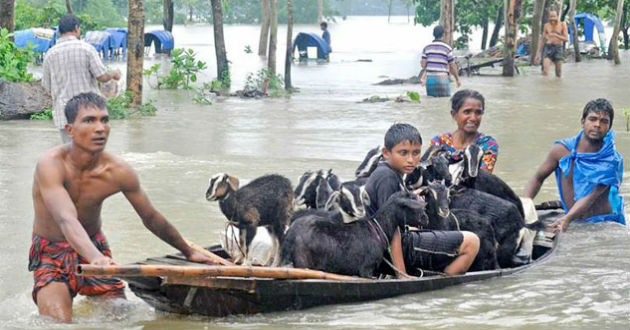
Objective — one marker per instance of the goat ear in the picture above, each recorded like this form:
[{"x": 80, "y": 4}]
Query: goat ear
[
  {"x": 233, "y": 182},
  {"x": 421, "y": 191},
  {"x": 333, "y": 201},
  {"x": 413, "y": 204},
  {"x": 365, "y": 197}
]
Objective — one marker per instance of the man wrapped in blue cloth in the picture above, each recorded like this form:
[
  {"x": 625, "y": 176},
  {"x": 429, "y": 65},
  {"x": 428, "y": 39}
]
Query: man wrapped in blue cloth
[{"x": 588, "y": 170}]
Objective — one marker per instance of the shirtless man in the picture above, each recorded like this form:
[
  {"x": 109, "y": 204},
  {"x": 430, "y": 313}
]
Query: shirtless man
[
  {"x": 588, "y": 170},
  {"x": 555, "y": 34},
  {"x": 70, "y": 184}
]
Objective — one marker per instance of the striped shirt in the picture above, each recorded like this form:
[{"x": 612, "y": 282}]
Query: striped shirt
[
  {"x": 438, "y": 55},
  {"x": 70, "y": 68}
]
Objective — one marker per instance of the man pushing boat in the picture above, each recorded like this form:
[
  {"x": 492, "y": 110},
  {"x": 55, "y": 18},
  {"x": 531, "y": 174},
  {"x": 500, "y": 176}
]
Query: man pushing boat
[
  {"x": 588, "y": 169},
  {"x": 70, "y": 183}
]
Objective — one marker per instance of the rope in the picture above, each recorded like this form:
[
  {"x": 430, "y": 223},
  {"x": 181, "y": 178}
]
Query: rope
[
  {"x": 389, "y": 250},
  {"x": 456, "y": 221}
]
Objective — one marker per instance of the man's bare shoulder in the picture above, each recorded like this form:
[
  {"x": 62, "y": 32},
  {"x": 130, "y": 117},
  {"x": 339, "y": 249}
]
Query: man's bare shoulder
[
  {"x": 121, "y": 170},
  {"x": 53, "y": 158},
  {"x": 558, "y": 151}
]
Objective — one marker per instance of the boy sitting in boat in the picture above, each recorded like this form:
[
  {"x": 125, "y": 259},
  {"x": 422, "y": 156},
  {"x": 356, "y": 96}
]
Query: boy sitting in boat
[
  {"x": 588, "y": 170},
  {"x": 451, "y": 252},
  {"x": 70, "y": 183}
]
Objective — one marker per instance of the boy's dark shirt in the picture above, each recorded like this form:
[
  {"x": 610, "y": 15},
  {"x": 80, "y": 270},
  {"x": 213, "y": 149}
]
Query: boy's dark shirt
[{"x": 381, "y": 184}]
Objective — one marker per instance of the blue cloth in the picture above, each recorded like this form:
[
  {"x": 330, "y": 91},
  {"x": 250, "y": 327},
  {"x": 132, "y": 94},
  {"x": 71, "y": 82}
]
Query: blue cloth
[
  {"x": 590, "y": 169},
  {"x": 438, "y": 86}
]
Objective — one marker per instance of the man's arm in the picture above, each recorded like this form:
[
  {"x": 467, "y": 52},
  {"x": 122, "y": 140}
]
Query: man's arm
[
  {"x": 564, "y": 34},
  {"x": 452, "y": 67},
  {"x": 547, "y": 167},
  {"x": 579, "y": 207},
  {"x": 152, "y": 219},
  {"x": 49, "y": 177},
  {"x": 46, "y": 77},
  {"x": 109, "y": 75},
  {"x": 541, "y": 44}
]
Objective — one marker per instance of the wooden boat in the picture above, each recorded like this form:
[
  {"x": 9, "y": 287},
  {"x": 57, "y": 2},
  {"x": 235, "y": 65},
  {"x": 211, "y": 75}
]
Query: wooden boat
[{"x": 221, "y": 296}]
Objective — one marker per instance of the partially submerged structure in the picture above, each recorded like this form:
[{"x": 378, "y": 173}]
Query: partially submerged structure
[
  {"x": 304, "y": 40},
  {"x": 161, "y": 39},
  {"x": 591, "y": 22}
]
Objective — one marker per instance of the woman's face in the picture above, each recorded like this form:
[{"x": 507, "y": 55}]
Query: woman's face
[{"x": 468, "y": 116}]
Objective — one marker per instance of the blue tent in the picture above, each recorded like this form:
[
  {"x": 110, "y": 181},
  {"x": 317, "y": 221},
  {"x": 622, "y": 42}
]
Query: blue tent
[
  {"x": 590, "y": 22},
  {"x": 304, "y": 40},
  {"x": 119, "y": 40},
  {"x": 163, "y": 40},
  {"x": 101, "y": 40},
  {"x": 41, "y": 42}
]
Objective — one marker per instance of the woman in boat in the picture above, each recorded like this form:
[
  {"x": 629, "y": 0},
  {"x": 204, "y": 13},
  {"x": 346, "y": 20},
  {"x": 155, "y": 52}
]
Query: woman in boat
[{"x": 467, "y": 109}]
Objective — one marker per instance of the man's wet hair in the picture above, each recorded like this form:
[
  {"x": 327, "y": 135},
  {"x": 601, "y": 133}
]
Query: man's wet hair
[
  {"x": 438, "y": 32},
  {"x": 460, "y": 97},
  {"x": 83, "y": 100},
  {"x": 400, "y": 132},
  {"x": 68, "y": 22},
  {"x": 323, "y": 24},
  {"x": 597, "y": 106}
]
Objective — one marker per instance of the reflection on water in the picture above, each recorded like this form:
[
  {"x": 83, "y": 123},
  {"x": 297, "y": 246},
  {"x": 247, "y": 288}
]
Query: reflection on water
[{"x": 583, "y": 286}]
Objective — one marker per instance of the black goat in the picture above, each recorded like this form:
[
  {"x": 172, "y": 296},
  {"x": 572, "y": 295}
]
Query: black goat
[
  {"x": 434, "y": 168},
  {"x": 441, "y": 217},
  {"x": 369, "y": 163},
  {"x": 472, "y": 221},
  {"x": 351, "y": 200},
  {"x": 483, "y": 181},
  {"x": 504, "y": 216},
  {"x": 308, "y": 183},
  {"x": 356, "y": 248},
  {"x": 267, "y": 200}
]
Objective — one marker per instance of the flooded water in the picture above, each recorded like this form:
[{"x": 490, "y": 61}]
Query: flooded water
[{"x": 585, "y": 285}]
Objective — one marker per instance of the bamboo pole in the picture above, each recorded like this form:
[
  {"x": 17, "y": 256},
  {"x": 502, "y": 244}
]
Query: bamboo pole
[
  {"x": 212, "y": 271},
  {"x": 215, "y": 258}
]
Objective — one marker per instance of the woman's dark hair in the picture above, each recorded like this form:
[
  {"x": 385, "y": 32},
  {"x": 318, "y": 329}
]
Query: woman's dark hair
[
  {"x": 401, "y": 132},
  {"x": 438, "y": 32},
  {"x": 460, "y": 97},
  {"x": 597, "y": 106},
  {"x": 83, "y": 100},
  {"x": 68, "y": 22}
]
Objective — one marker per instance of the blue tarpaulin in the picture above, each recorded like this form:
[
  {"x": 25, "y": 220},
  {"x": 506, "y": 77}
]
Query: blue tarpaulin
[
  {"x": 119, "y": 38},
  {"x": 304, "y": 40},
  {"x": 41, "y": 41},
  {"x": 101, "y": 40},
  {"x": 590, "y": 23},
  {"x": 163, "y": 40}
]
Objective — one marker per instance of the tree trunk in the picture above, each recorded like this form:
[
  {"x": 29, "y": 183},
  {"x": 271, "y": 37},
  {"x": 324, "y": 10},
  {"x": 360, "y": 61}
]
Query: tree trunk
[
  {"x": 389, "y": 11},
  {"x": 447, "y": 20},
  {"x": 7, "y": 12},
  {"x": 69, "y": 7},
  {"x": 613, "y": 49},
  {"x": 135, "y": 56},
  {"x": 264, "y": 28},
  {"x": 273, "y": 37},
  {"x": 498, "y": 22},
  {"x": 574, "y": 33},
  {"x": 320, "y": 11},
  {"x": 625, "y": 24},
  {"x": 223, "y": 72},
  {"x": 484, "y": 35},
  {"x": 167, "y": 15},
  {"x": 190, "y": 13},
  {"x": 512, "y": 16},
  {"x": 539, "y": 8},
  {"x": 289, "y": 55}
]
